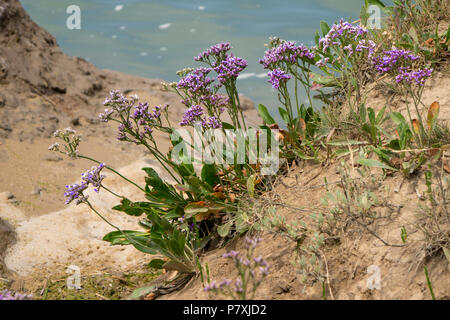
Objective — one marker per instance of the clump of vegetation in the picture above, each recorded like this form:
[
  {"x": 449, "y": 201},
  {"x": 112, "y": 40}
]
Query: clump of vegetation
[
  {"x": 181, "y": 219},
  {"x": 252, "y": 271}
]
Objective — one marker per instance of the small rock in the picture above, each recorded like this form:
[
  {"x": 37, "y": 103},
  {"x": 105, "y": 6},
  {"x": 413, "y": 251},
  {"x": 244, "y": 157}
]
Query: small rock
[
  {"x": 9, "y": 195},
  {"x": 75, "y": 122},
  {"x": 53, "y": 157},
  {"x": 36, "y": 191},
  {"x": 283, "y": 288},
  {"x": 246, "y": 103}
]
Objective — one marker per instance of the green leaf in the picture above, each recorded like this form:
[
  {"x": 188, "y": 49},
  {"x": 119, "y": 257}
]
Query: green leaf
[
  {"x": 398, "y": 118},
  {"x": 251, "y": 185},
  {"x": 156, "y": 264},
  {"x": 194, "y": 208},
  {"x": 324, "y": 27},
  {"x": 375, "y": 163},
  {"x": 341, "y": 143},
  {"x": 378, "y": 3},
  {"x": 224, "y": 229},
  {"x": 326, "y": 81},
  {"x": 284, "y": 115},
  {"x": 227, "y": 126},
  {"x": 264, "y": 113},
  {"x": 138, "y": 293},
  {"x": 132, "y": 208},
  {"x": 209, "y": 174},
  {"x": 380, "y": 115},
  {"x": 447, "y": 253}
]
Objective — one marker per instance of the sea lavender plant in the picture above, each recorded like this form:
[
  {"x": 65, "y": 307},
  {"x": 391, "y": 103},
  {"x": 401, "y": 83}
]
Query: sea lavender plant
[
  {"x": 401, "y": 65},
  {"x": 286, "y": 60},
  {"x": 197, "y": 88},
  {"x": 344, "y": 53},
  {"x": 252, "y": 271}
]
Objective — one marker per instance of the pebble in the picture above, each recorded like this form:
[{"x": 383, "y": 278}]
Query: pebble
[
  {"x": 9, "y": 195},
  {"x": 53, "y": 157},
  {"x": 36, "y": 190}
]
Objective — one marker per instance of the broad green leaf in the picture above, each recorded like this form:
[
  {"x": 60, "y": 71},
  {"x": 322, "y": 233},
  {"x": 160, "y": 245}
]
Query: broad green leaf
[
  {"x": 447, "y": 253},
  {"x": 324, "y": 27},
  {"x": 209, "y": 174},
  {"x": 341, "y": 143},
  {"x": 156, "y": 264},
  {"x": 378, "y": 3},
  {"x": 264, "y": 113},
  {"x": 375, "y": 164},
  {"x": 138, "y": 293},
  {"x": 251, "y": 185},
  {"x": 224, "y": 229}
]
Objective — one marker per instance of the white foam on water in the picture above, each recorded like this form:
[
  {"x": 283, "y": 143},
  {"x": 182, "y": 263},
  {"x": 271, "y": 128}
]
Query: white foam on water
[
  {"x": 261, "y": 75},
  {"x": 201, "y": 8},
  {"x": 164, "y": 26},
  {"x": 243, "y": 76},
  {"x": 144, "y": 54},
  {"x": 122, "y": 27},
  {"x": 114, "y": 36},
  {"x": 163, "y": 49},
  {"x": 119, "y": 7}
]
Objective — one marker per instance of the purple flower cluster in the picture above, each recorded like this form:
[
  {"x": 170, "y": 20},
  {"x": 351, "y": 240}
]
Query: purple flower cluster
[
  {"x": 215, "y": 50},
  {"x": 122, "y": 110},
  {"x": 119, "y": 104},
  {"x": 400, "y": 62},
  {"x": 322, "y": 62},
  {"x": 192, "y": 115},
  {"x": 75, "y": 191},
  {"x": 418, "y": 76},
  {"x": 276, "y": 76},
  {"x": 197, "y": 81},
  {"x": 145, "y": 118},
  {"x": 94, "y": 177},
  {"x": 212, "y": 123},
  {"x": 229, "y": 68},
  {"x": 288, "y": 52},
  {"x": 392, "y": 59},
  {"x": 9, "y": 295},
  {"x": 368, "y": 45},
  {"x": 341, "y": 30}
]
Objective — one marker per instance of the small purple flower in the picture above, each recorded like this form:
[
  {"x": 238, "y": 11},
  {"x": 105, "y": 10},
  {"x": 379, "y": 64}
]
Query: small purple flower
[
  {"x": 9, "y": 295},
  {"x": 322, "y": 62},
  {"x": 231, "y": 254},
  {"x": 286, "y": 52},
  {"x": 215, "y": 50},
  {"x": 192, "y": 115},
  {"x": 251, "y": 242},
  {"x": 392, "y": 60},
  {"x": 196, "y": 81},
  {"x": 212, "y": 286},
  {"x": 75, "y": 192},
  {"x": 419, "y": 76},
  {"x": 225, "y": 283},
  {"x": 94, "y": 177},
  {"x": 341, "y": 31},
  {"x": 212, "y": 123},
  {"x": 229, "y": 68},
  {"x": 277, "y": 76}
]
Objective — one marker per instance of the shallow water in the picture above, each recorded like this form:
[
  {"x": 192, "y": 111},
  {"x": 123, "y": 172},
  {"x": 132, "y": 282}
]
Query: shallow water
[{"x": 154, "y": 39}]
